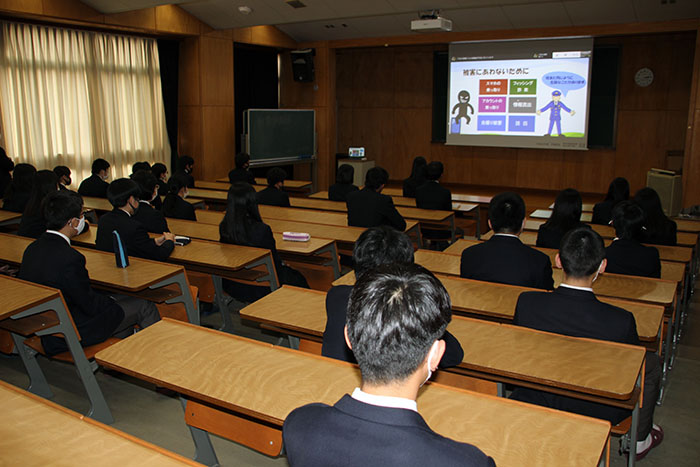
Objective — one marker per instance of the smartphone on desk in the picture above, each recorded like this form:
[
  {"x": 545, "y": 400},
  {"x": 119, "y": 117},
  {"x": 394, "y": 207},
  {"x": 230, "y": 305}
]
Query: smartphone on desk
[{"x": 182, "y": 240}]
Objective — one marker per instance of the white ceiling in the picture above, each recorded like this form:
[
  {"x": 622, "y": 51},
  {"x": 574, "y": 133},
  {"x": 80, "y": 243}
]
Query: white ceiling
[{"x": 346, "y": 19}]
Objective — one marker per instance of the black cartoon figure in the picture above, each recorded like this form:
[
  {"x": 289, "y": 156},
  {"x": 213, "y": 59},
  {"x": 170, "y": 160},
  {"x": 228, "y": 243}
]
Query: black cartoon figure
[{"x": 463, "y": 106}]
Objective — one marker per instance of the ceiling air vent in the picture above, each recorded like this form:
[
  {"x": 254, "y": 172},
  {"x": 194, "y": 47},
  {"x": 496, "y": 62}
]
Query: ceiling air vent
[{"x": 295, "y": 4}]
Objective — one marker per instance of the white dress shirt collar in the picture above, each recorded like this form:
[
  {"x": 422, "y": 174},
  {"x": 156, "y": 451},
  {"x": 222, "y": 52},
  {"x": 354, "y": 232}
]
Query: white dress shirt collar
[
  {"x": 384, "y": 401},
  {"x": 55, "y": 232},
  {"x": 576, "y": 287}
]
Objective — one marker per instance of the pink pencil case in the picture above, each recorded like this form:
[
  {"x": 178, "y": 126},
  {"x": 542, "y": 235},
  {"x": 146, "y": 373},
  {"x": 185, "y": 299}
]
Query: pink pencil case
[{"x": 296, "y": 236}]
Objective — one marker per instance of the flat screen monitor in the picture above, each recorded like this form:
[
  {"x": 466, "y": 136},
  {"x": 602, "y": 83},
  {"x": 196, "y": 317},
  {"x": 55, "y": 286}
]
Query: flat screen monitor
[{"x": 356, "y": 152}]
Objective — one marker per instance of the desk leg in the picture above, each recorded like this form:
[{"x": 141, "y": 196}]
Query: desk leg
[
  {"x": 271, "y": 272},
  {"x": 333, "y": 262},
  {"x": 632, "y": 457},
  {"x": 419, "y": 237},
  {"x": 478, "y": 222},
  {"x": 203, "y": 449},
  {"x": 227, "y": 322},
  {"x": 293, "y": 342},
  {"x": 667, "y": 357},
  {"x": 185, "y": 296},
  {"x": 37, "y": 380},
  {"x": 500, "y": 390},
  {"x": 676, "y": 331},
  {"x": 99, "y": 410},
  {"x": 453, "y": 229}
]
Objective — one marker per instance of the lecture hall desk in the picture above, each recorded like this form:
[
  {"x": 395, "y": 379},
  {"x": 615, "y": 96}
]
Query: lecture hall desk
[
  {"x": 144, "y": 278},
  {"x": 265, "y": 383},
  {"x": 290, "y": 185},
  {"x": 31, "y": 309},
  {"x": 9, "y": 217},
  {"x": 39, "y": 432}
]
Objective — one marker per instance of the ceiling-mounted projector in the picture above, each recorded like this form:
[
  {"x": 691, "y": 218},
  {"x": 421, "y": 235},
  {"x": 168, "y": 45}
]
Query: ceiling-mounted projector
[{"x": 431, "y": 21}]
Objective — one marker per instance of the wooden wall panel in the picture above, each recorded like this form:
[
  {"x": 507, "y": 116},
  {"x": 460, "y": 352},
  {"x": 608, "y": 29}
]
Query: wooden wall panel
[
  {"x": 171, "y": 18},
  {"x": 73, "y": 9},
  {"x": 345, "y": 130},
  {"x": 413, "y": 79},
  {"x": 144, "y": 19},
  {"x": 23, "y": 6},
  {"x": 640, "y": 133},
  {"x": 593, "y": 169},
  {"x": 188, "y": 77},
  {"x": 218, "y": 143},
  {"x": 216, "y": 71},
  {"x": 458, "y": 162},
  {"x": 494, "y": 166},
  {"x": 189, "y": 135},
  {"x": 344, "y": 76},
  {"x": 411, "y": 139},
  {"x": 373, "y": 79},
  {"x": 374, "y": 129},
  {"x": 540, "y": 169}
]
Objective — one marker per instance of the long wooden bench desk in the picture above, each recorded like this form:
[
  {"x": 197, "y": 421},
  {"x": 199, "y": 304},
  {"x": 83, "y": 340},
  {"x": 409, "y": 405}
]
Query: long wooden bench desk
[
  {"x": 585, "y": 207},
  {"x": 257, "y": 385},
  {"x": 43, "y": 311},
  {"x": 9, "y": 217},
  {"x": 291, "y": 185},
  {"x": 309, "y": 221},
  {"x": 38, "y": 432},
  {"x": 103, "y": 205},
  {"x": 220, "y": 260},
  {"x": 144, "y": 278}
]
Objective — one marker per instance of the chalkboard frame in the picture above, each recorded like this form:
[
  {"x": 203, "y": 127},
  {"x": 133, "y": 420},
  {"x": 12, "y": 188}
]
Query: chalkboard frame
[{"x": 261, "y": 135}]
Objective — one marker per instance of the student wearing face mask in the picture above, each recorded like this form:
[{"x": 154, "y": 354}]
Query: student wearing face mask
[
  {"x": 149, "y": 214},
  {"x": 573, "y": 310},
  {"x": 64, "y": 176},
  {"x": 396, "y": 317},
  {"x": 95, "y": 185},
  {"x": 50, "y": 260},
  {"x": 174, "y": 204},
  {"x": 123, "y": 194}
]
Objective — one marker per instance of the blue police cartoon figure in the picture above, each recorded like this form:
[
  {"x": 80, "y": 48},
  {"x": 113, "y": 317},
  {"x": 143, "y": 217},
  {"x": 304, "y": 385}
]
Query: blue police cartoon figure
[
  {"x": 555, "y": 107},
  {"x": 462, "y": 107}
]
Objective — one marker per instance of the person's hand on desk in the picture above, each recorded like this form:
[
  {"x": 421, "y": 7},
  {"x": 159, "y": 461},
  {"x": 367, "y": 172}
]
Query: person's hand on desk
[{"x": 166, "y": 236}]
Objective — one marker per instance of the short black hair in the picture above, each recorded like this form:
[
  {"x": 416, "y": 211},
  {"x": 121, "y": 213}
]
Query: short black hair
[
  {"x": 276, "y": 175},
  {"x": 241, "y": 159},
  {"x": 628, "y": 218},
  {"x": 140, "y": 166},
  {"x": 120, "y": 190},
  {"x": 147, "y": 183},
  {"x": 506, "y": 212},
  {"x": 99, "y": 165},
  {"x": 61, "y": 171},
  {"x": 158, "y": 169},
  {"x": 381, "y": 245},
  {"x": 618, "y": 190},
  {"x": 376, "y": 177},
  {"x": 61, "y": 206},
  {"x": 434, "y": 170},
  {"x": 345, "y": 174},
  {"x": 184, "y": 161},
  {"x": 581, "y": 252},
  {"x": 395, "y": 314}
]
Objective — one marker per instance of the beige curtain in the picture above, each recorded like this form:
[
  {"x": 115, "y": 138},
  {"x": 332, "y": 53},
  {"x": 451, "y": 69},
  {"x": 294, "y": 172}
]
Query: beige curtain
[{"x": 68, "y": 97}]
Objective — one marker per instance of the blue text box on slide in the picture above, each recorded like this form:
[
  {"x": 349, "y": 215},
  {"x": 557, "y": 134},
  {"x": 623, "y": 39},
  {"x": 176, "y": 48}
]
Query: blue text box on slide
[
  {"x": 521, "y": 123},
  {"x": 491, "y": 123}
]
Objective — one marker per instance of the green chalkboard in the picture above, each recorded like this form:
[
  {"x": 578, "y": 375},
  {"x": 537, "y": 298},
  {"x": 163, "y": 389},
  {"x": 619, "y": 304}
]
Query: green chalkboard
[{"x": 280, "y": 134}]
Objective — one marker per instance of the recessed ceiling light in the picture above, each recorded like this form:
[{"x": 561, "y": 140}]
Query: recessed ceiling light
[{"x": 245, "y": 10}]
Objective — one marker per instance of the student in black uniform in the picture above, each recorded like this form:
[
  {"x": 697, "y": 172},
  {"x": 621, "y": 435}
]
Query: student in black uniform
[
  {"x": 185, "y": 166},
  {"x": 375, "y": 247},
  {"x": 137, "y": 166},
  {"x": 20, "y": 189},
  {"x": 417, "y": 177},
  {"x": 95, "y": 185},
  {"x": 151, "y": 218},
  {"x": 274, "y": 194},
  {"x": 64, "y": 176},
  {"x": 504, "y": 258},
  {"x": 174, "y": 204},
  {"x": 242, "y": 225},
  {"x": 566, "y": 216},
  {"x": 123, "y": 195},
  {"x": 343, "y": 183},
  {"x": 6, "y": 167},
  {"x": 52, "y": 261},
  {"x": 625, "y": 254},
  {"x": 33, "y": 224},
  {"x": 573, "y": 310},
  {"x": 368, "y": 207},
  {"x": 432, "y": 195},
  {"x": 160, "y": 171},
  {"x": 658, "y": 229},
  {"x": 241, "y": 172},
  {"x": 619, "y": 190}
]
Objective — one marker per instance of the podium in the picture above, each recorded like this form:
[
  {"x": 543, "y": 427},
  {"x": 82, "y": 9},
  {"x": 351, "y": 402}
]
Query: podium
[{"x": 361, "y": 167}]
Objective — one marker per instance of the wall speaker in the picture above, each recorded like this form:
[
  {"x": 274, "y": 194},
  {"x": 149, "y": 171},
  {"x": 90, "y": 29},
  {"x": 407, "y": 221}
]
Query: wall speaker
[{"x": 303, "y": 65}]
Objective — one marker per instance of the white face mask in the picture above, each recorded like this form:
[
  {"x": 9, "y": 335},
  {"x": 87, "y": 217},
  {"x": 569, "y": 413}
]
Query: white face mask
[
  {"x": 598, "y": 271},
  {"x": 430, "y": 358},
  {"x": 81, "y": 224}
]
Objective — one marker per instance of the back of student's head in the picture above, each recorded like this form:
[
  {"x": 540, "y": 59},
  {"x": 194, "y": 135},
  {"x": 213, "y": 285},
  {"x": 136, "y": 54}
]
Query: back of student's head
[
  {"x": 434, "y": 170},
  {"x": 376, "y": 177},
  {"x": 61, "y": 206},
  {"x": 345, "y": 174},
  {"x": 62, "y": 171},
  {"x": 147, "y": 184},
  {"x": 628, "y": 219},
  {"x": 241, "y": 213},
  {"x": 619, "y": 190},
  {"x": 184, "y": 162},
  {"x": 45, "y": 181},
  {"x": 395, "y": 314},
  {"x": 567, "y": 210},
  {"x": 381, "y": 245},
  {"x": 177, "y": 182},
  {"x": 137, "y": 166},
  {"x": 241, "y": 160},
  {"x": 419, "y": 166},
  {"x": 648, "y": 199},
  {"x": 276, "y": 175},
  {"x": 158, "y": 169},
  {"x": 98, "y": 165},
  {"x": 581, "y": 252},
  {"x": 120, "y": 190},
  {"x": 506, "y": 212},
  {"x": 22, "y": 179}
]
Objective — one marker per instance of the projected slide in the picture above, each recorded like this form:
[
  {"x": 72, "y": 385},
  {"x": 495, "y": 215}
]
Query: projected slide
[{"x": 530, "y": 94}]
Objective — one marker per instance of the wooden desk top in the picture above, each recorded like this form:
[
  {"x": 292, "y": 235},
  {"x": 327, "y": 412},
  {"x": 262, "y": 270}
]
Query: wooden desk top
[
  {"x": 9, "y": 215},
  {"x": 409, "y": 202},
  {"x": 96, "y": 204},
  {"x": 215, "y": 195},
  {"x": 605, "y": 231},
  {"x": 220, "y": 186},
  {"x": 304, "y": 215},
  {"x": 19, "y": 295},
  {"x": 139, "y": 275},
  {"x": 36, "y": 431},
  {"x": 547, "y": 213},
  {"x": 268, "y": 382},
  {"x": 460, "y": 197},
  {"x": 687, "y": 225},
  {"x": 291, "y": 184},
  {"x": 585, "y": 207},
  {"x": 339, "y": 206}
]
